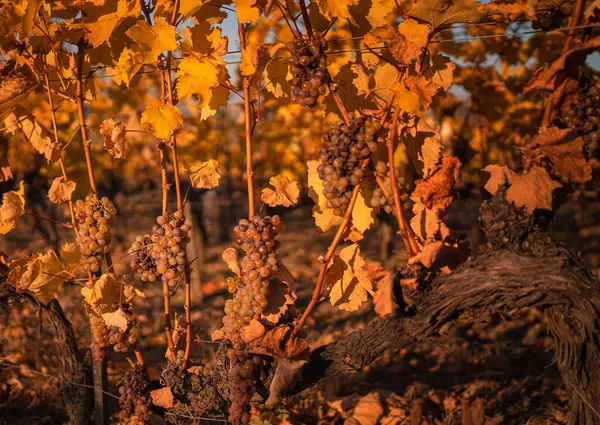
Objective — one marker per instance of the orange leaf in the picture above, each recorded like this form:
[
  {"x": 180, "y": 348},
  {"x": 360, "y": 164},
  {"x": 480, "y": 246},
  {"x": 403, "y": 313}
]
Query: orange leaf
[
  {"x": 61, "y": 190},
  {"x": 162, "y": 397}
]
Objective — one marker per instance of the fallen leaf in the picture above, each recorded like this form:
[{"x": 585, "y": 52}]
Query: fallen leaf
[
  {"x": 230, "y": 256},
  {"x": 114, "y": 137},
  {"x": 205, "y": 175},
  {"x": 61, "y": 190},
  {"x": 163, "y": 397},
  {"x": 5, "y": 173},
  {"x": 13, "y": 207},
  {"x": 286, "y": 192},
  {"x": 116, "y": 318},
  {"x": 368, "y": 410},
  {"x": 532, "y": 190}
]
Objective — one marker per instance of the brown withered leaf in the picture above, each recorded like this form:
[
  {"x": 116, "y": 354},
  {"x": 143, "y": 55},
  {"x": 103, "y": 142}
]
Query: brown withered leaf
[
  {"x": 38, "y": 136},
  {"x": 428, "y": 253},
  {"x": 114, "y": 137},
  {"x": 511, "y": 10},
  {"x": 427, "y": 224},
  {"x": 163, "y": 397},
  {"x": 423, "y": 147},
  {"x": 5, "y": 173},
  {"x": 282, "y": 295},
  {"x": 205, "y": 175},
  {"x": 230, "y": 256},
  {"x": 442, "y": 14},
  {"x": 409, "y": 42},
  {"x": 369, "y": 409},
  {"x": 496, "y": 176},
  {"x": 592, "y": 9},
  {"x": 252, "y": 331},
  {"x": 532, "y": 190},
  {"x": 13, "y": 207},
  {"x": 437, "y": 190},
  {"x": 286, "y": 192},
  {"x": 287, "y": 373},
  {"x": 61, "y": 190},
  {"x": 547, "y": 78},
  {"x": 564, "y": 149},
  {"x": 442, "y": 255},
  {"x": 383, "y": 299},
  {"x": 271, "y": 342}
]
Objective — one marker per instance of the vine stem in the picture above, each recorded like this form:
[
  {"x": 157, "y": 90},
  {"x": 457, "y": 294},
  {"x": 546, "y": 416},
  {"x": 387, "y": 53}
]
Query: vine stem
[
  {"x": 389, "y": 197},
  {"x": 248, "y": 130},
  {"x": 306, "y": 19},
  {"x": 407, "y": 234},
  {"x": 41, "y": 217},
  {"x": 188, "y": 283}
]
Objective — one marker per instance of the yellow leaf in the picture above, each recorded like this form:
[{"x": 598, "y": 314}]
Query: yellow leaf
[
  {"x": 386, "y": 76},
  {"x": 368, "y": 410},
  {"x": 69, "y": 254},
  {"x": 415, "y": 32},
  {"x": 230, "y": 256},
  {"x": 348, "y": 280},
  {"x": 118, "y": 319},
  {"x": 245, "y": 11},
  {"x": 362, "y": 214},
  {"x": 197, "y": 77},
  {"x": 205, "y": 175},
  {"x": 189, "y": 7},
  {"x": 61, "y": 190},
  {"x": 406, "y": 100},
  {"x": 153, "y": 40},
  {"x": 13, "y": 207},
  {"x": 423, "y": 88},
  {"x": 37, "y": 273},
  {"x": 162, "y": 119},
  {"x": 382, "y": 12},
  {"x": 255, "y": 58},
  {"x": 441, "y": 13},
  {"x": 286, "y": 192},
  {"x": 38, "y": 136},
  {"x": 219, "y": 97},
  {"x": 325, "y": 219},
  {"x": 128, "y": 65},
  {"x": 336, "y": 8},
  {"x": 99, "y": 31},
  {"x": 106, "y": 291}
]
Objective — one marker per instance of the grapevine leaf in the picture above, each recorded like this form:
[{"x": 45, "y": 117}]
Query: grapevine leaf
[
  {"x": 197, "y": 77},
  {"x": 205, "y": 175},
  {"x": 162, "y": 119},
  {"x": 443, "y": 13},
  {"x": 382, "y": 12},
  {"x": 129, "y": 63},
  {"x": 287, "y": 372},
  {"x": 427, "y": 223},
  {"x": 69, "y": 254},
  {"x": 437, "y": 190},
  {"x": 255, "y": 58},
  {"x": 282, "y": 295},
  {"x": 383, "y": 299},
  {"x": 564, "y": 149},
  {"x": 38, "y": 136},
  {"x": 117, "y": 318},
  {"x": 532, "y": 190},
  {"x": 37, "y": 273},
  {"x": 423, "y": 88},
  {"x": 100, "y": 31},
  {"x": 348, "y": 280},
  {"x": 114, "y": 137},
  {"x": 497, "y": 176},
  {"x": 385, "y": 78},
  {"x": 61, "y": 190},
  {"x": 246, "y": 11},
  {"x": 363, "y": 215},
  {"x": 105, "y": 291},
  {"x": 591, "y": 10},
  {"x": 415, "y": 32},
  {"x": 406, "y": 100},
  {"x": 252, "y": 331},
  {"x": 230, "y": 256},
  {"x": 5, "y": 173},
  {"x": 153, "y": 40},
  {"x": 13, "y": 207},
  {"x": 423, "y": 147},
  {"x": 336, "y": 8},
  {"x": 163, "y": 397},
  {"x": 286, "y": 192}
]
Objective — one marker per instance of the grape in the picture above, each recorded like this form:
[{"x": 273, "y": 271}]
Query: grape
[
  {"x": 143, "y": 262},
  {"x": 104, "y": 336},
  {"x": 99, "y": 337},
  {"x": 166, "y": 247},
  {"x": 134, "y": 402},
  {"x": 94, "y": 217},
  {"x": 308, "y": 66},
  {"x": 583, "y": 116},
  {"x": 346, "y": 147},
  {"x": 378, "y": 198},
  {"x": 552, "y": 14}
]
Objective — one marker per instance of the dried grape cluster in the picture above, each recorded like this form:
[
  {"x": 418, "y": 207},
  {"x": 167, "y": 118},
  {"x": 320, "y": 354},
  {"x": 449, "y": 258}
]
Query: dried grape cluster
[
  {"x": 94, "y": 219},
  {"x": 346, "y": 147},
  {"x": 552, "y": 14},
  {"x": 143, "y": 262},
  {"x": 308, "y": 65},
  {"x": 584, "y": 116},
  {"x": 134, "y": 403},
  {"x": 245, "y": 370},
  {"x": 169, "y": 239},
  {"x": 378, "y": 199},
  {"x": 104, "y": 336},
  {"x": 256, "y": 237}
]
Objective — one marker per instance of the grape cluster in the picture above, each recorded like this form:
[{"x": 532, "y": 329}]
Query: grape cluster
[
  {"x": 104, "y": 336},
  {"x": 308, "y": 65},
  {"x": 378, "y": 198},
  {"x": 143, "y": 263},
  {"x": 245, "y": 371},
  {"x": 134, "y": 403},
  {"x": 169, "y": 238},
  {"x": 94, "y": 219},
  {"x": 584, "y": 116},
  {"x": 552, "y": 14},
  {"x": 346, "y": 147},
  {"x": 256, "y": 238}
]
